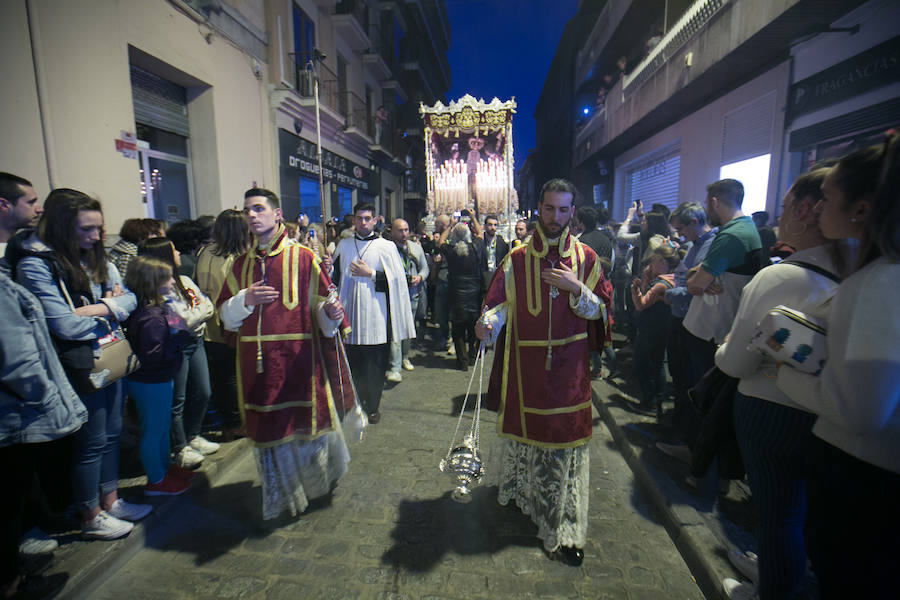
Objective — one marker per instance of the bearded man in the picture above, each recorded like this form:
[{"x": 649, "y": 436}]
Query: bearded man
[{"x": 548, "y": 295}]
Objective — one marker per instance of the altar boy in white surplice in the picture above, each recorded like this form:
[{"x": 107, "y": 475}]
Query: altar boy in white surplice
[{"x": 373, "y": 290}]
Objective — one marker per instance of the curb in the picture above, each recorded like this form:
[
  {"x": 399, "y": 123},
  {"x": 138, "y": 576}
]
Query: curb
[
  {"x": 89, "y": 565},
  {"x": 689, "y": 540}
]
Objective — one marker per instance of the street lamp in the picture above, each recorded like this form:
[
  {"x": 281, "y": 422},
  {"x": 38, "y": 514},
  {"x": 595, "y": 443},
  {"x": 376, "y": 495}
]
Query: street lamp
[{"x": 312, "y": 65}]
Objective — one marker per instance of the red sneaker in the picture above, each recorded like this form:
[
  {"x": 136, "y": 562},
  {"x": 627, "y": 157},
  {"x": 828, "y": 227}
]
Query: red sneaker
[
  {"x": 169, "y": 486},
  {"x": 180, "y": 472}
]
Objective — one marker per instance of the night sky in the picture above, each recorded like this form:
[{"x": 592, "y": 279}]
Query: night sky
[{"x": 503, "y": 48}]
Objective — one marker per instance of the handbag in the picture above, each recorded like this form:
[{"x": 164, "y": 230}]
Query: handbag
[
  {"x": 92, "y": 368},
  {"x": 713, "y": 384}
]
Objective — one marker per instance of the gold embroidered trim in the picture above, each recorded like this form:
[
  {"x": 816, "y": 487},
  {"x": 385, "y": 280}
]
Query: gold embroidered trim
[
  {"x": 557, "y": 342},
  {"x": 560, "y": 410},
  {"x": 276, "y": 337},
  {"x": 274, "y": 407}
]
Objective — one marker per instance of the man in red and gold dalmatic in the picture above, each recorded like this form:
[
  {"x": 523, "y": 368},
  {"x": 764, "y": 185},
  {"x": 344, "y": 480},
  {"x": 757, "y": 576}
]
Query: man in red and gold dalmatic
[
  {"x": 292, "y": 380},
  {"x": 547, "y": 296}
]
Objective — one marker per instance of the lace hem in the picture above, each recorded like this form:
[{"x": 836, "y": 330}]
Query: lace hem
[
  {"x": 294, "y": 472},
  {"x": 550, "y": 486}
]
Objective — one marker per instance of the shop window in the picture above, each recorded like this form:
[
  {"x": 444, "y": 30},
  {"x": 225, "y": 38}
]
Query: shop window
[
  {"x": 754, "y": 174},
  {"x": 310, "y": 203}
]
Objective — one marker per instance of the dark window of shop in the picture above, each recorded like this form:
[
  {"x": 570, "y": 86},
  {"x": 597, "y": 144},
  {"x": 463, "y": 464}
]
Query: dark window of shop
[
  {"x": 310, "y": 203},
  {"x": 344, "y": 201}
]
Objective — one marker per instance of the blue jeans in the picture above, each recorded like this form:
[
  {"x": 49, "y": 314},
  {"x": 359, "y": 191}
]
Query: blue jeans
[
  {"x": 154, "y": 407},
  {"x": 773, "y": 439},
  {"x": 97, "y": 447},
  {"x": 191, "y": 394}
]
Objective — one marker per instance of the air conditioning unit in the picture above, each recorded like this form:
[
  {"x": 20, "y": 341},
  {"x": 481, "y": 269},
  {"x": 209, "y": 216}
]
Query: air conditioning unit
[{"x": 305, "y": 83}]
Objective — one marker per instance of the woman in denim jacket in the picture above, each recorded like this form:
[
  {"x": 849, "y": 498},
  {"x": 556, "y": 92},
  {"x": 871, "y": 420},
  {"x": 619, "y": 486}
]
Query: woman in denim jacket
[
  {"x": 38, "y": 409},
  {"x": 65, "y": 266}
]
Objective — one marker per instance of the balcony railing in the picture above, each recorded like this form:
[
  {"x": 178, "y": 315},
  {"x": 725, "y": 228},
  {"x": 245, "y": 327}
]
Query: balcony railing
[
  {"x": 356, "y": 112},
  {"x": 358, "y": 8},
  {"x": 690, "y": 23},
  {"x": 329, "y": 95}
]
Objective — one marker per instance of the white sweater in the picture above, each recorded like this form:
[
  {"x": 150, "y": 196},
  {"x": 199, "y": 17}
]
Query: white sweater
[
  {"x": 857, "y": 394},
  {"x": 791, "y": 285}
]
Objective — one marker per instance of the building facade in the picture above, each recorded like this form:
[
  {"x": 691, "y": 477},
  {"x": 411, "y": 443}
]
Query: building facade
[
  {"x": 669, "y": 97},
  {"x": 172, "y": 108}
]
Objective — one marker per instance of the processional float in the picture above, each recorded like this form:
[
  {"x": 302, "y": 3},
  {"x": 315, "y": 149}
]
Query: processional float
[{"x": 469, "y": 157}]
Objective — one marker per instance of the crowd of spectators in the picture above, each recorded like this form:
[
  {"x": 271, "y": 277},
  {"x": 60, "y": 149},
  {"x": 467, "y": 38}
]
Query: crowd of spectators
[{"x": 689, "y": 290}]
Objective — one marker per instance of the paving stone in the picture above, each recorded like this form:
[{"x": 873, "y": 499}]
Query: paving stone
[
  {"x": 240, "y": 587},
  {"x": 392, "y": 532}
]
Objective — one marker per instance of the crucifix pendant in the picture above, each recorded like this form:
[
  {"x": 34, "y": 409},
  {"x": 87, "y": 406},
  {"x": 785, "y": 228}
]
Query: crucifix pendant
[{"x": 554, "y": 292}]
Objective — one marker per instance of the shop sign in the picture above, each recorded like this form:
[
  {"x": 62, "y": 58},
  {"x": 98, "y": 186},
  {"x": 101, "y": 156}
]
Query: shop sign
[
  {"x": 874, "y": 68},
  {"x": 298, "y": 154},
  {"x": 127, "y": 144}
]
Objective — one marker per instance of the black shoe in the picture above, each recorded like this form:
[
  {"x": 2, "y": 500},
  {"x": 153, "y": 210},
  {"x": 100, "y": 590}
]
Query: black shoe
[
  {"x": 462, "y": 365},
  {"x": 646, "y": 408},
  {"x": 37, "y": 586},
  {"x": 374, "y": 418},
  {"x": 568, "y": 555}
]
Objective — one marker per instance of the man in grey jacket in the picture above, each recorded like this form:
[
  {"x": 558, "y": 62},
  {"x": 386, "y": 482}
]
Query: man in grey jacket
[{"x": 38, "y": 411}]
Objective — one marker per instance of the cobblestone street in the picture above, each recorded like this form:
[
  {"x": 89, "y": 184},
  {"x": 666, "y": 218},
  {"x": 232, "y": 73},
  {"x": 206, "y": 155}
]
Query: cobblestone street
[{"x": 392, "y": 531}]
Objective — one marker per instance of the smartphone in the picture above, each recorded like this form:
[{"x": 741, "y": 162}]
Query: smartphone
[
  {"x": 637, "y": 203},
  {"x": 311, "y": 234},
  {"x": 456, "y": 214}
]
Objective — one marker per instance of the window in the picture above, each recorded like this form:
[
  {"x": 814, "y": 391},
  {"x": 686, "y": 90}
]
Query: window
[
  {"x": 345, "y": 201},
  {"x": 310, "y": 203},
  {"x": 304, "y": 37},
  {"x": 754, "y": 174}
]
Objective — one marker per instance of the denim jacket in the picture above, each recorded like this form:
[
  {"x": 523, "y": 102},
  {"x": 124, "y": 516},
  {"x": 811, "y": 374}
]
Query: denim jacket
[
  {"x": 34, "y": 273},
  {"x": 37, "y": 404}
]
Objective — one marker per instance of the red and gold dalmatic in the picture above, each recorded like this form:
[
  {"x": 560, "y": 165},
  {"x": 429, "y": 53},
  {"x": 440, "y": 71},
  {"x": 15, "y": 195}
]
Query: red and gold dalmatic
[
  {"x": 540, "y": 382},
  {"x": 286, "y": 368}
]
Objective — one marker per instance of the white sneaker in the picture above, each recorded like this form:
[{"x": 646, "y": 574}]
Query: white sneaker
[
  {"x": 407, "y": 365},
  {"x": 451, "y": 350},
  {"x": 36, "y": 542},
  {"x": 188, "y": 458},
  {"x": 126, "y": 511},
  {"x": 747, "y": 563},
  {"x": 736, "y": 590},
  {"x": 394, "y": 377},
  {"x": 105, "y": 527},
  {"x": 203, "y": 445}
]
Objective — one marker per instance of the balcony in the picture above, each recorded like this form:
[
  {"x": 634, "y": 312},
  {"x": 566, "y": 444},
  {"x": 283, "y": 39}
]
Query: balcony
[
  {"x": 330, "y": 102},
  {"x": 414, "y": 185},
  {"x": 350, "y": 19},
  {"x": 691, "y": 22},
  {"x": 378, "y": 58},
  {"x": 589, "y": 135},
  {"x": 356, "y": 113},
  {"x": 715, "y": 46}
]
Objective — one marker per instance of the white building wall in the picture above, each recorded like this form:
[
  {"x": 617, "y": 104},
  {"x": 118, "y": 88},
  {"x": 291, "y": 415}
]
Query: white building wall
[
  {"x": 700, "y": 137},
  {"x": 82, "y": 68}
]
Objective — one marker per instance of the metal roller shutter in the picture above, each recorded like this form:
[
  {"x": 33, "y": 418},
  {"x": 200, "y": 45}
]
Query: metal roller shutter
[
  {"x": 747, "y": 131},
  {"x": 654, "y": 180},
  {"x": 158, "y": 102}
]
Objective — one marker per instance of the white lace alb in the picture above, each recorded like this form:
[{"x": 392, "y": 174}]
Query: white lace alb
[{"x": 552, "y": 486}]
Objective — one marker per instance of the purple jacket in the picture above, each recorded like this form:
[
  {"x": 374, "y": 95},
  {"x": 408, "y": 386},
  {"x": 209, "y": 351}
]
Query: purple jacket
[{"x": 158, "y": 349}]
